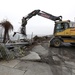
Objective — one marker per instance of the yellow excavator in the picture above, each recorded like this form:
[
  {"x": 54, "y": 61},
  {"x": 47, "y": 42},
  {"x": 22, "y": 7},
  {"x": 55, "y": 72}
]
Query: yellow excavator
[{"x": 64, "y": 31}]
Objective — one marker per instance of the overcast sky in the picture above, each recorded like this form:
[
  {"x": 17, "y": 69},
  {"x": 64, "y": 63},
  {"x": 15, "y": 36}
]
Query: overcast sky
[{"x": 14, "y": 10}]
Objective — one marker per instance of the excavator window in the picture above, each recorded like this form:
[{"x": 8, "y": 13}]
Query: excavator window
[
  {"x": 59, "y": 27},
  {"x": 66, "y": 25}
]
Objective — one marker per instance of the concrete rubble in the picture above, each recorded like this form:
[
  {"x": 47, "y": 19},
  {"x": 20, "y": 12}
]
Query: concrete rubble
[
  {"x": 40, "y": 50},
  {"x": 39, "y": 59},
  {"x": 32, "y": 56},
  {"x": 23, "y": 67}
]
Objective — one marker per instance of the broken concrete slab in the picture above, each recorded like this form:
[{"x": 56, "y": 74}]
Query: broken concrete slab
[
  {"x": 10, "y": 71},
  {"x": 34, "y": 68},
  {"x": 55, "y": 58},
  {"x": 11, "y": 63},
  {"x": 32, "y": 56},
  {"x": 40, "y": 50}
]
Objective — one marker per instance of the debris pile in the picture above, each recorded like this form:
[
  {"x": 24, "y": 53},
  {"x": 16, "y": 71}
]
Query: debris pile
[
  {"x": 13, "y": 52},
  {"x": 38, "y": 39},
  {"x": 5, "y": 53}
]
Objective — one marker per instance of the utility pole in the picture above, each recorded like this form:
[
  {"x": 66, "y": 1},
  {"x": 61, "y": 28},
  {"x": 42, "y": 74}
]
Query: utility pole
[
  {"x": 32, "y": 37},
  {"x": 1, "y": 30}
]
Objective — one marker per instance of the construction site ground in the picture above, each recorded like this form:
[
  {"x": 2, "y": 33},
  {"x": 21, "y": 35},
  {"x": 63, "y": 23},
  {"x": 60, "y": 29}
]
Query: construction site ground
[{"x": 42, "y": 60}]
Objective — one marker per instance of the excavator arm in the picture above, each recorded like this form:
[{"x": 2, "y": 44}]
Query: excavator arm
[{"x": 40, "y": 13}]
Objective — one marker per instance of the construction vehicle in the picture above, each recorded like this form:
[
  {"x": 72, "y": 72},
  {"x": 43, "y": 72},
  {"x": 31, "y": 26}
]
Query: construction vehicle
[{"x": 64, "y": 31}]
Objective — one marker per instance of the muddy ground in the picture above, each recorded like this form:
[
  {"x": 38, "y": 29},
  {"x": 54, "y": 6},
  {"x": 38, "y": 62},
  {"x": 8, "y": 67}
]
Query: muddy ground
[{"x": 61, "y": 60}]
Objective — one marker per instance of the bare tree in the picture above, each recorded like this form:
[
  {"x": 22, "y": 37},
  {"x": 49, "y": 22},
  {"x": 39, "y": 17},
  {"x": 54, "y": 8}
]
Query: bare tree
[{"x": 7, "y": 27}]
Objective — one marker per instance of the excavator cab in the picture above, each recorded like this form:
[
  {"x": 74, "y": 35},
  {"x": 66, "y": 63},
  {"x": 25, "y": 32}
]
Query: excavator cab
[{"x": 61, "y": 26}]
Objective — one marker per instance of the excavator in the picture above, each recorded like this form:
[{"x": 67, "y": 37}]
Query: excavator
[{"x": 64, "y": 31}]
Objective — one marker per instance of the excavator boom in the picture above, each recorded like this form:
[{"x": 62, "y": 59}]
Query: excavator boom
[{"x": 43, "y": 14}]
